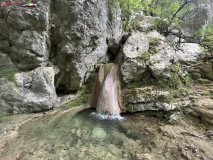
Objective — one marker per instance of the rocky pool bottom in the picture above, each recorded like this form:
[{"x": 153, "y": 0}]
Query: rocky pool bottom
[{"x": 69, "y": 135}]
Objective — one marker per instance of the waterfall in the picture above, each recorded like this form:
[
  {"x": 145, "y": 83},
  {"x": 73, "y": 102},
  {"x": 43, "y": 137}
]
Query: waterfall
[
  {"x": 108, "y": 99},
  {"x": 106, "y": 92},
  {"x": 105, "y": 97}
]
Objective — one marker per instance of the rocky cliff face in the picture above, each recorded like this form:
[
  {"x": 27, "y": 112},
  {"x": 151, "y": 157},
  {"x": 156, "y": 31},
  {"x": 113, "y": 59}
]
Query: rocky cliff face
[
  {"x": 66, "y": 38},
  {"x": 153, "y": 78},
  {"x": 79, "y": 34},
  {"x": 57, "y": 45},
  {"x": 202, "y": 16}
]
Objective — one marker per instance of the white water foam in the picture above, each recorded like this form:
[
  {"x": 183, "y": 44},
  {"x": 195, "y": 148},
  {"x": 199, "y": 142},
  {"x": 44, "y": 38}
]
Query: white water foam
[{"x": 105, "y": 116}]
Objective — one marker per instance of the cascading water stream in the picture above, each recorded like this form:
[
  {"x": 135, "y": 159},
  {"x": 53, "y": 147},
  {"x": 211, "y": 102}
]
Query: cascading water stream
[
  {"x": 106, "y": 92},
  {"x": 108, "y": 99}
]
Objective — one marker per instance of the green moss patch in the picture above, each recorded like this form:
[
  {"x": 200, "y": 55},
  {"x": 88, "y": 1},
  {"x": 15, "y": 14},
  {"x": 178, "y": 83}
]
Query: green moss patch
[
  {"x": 80, "y": 101},
  {"x": 145, "y": 56},
  {"x": 2, "y": 113},
  {"x": 206, "y": 71},
  {"x": 155, "y": 41},
  {"x": 9, "y": 74},
  {"x": 133, "y": 85},
  {"x": 182, "y": 92},
  {"x": 107, "y": 68}
]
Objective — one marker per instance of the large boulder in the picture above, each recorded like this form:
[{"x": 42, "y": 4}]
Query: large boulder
[
  {"x": 151, "y": 99},
  {"x": 32, "y": 91},
  {"x": 146, "y": 52},
  {"x": 152, "y": 78},
  {"x": 189, "y": 52}
]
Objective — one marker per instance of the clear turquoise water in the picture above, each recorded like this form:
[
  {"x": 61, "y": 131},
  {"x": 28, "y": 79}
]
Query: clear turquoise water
[{"x": 82, "y": 136}]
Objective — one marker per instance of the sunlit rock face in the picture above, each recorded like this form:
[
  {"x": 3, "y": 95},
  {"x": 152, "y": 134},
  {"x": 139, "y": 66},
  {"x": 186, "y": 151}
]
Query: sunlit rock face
[
  {"x": 189, "y": 52},
  {"x": 146, "y": 52}
]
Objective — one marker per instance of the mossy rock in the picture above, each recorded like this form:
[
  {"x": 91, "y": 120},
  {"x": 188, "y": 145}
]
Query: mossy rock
[
  {"x": 80, "y": 101},
  {"x": 2, "y": 114},
  {"x": 153, "y": 50},
  {"x": 180, "y": 93},
  {"x": 147, "y": 94},
  {"x": 194, "y": 70},
  {"x": 8, "y": 73},
  {"x": 107, "y": 68},
  {"x": 173, "y": 82},
  {"x": 155, "y": 42},
  {"x": 206, "y": 71},
  {"x": 135, "y": 84},
  {"x": 204, "y": 113},
  {"x": 165, "y": 98},
  {"x": 175, "y": 68},
  {"x": 195, "y": 76},
  {"x": 203, "y": 81},
  {"x": 144, "y": 56}
]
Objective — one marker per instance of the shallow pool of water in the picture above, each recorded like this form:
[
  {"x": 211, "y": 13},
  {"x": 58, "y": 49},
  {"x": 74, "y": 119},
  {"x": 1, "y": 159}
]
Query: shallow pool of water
[{"x": 82, "y": 136}]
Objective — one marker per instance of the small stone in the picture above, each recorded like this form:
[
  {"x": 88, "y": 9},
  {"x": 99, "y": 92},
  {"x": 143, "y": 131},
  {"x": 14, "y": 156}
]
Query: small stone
[{"x": 98, "y": 133}]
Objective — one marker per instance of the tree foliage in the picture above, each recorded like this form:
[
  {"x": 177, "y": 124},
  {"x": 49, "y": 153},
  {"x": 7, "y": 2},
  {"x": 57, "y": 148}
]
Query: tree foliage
[
  {"x": 175, "y": 12},
  {"x": 130, "y": 9},
  {"x": 205, "y": 37}
]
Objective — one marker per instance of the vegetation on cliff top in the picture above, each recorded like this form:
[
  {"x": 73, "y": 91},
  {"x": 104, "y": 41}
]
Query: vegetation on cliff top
[{"x": 173, "y": 14}]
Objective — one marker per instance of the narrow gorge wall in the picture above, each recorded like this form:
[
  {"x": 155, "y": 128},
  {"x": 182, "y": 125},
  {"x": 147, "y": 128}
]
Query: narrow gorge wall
[
  {"x": 202, "y": 16},
  {"x": 68, "y": 36}
]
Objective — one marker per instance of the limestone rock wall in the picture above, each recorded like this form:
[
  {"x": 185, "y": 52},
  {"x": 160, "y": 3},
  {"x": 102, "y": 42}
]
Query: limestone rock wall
[
  {"x": 66, "y": 37},
  {"x": 79, "y": 32},
  {"x": 153, "y": 79},
  {"x": 146, "y": 53},
  {"x": 25, "y": 33}
]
